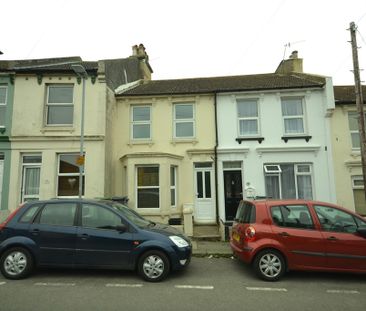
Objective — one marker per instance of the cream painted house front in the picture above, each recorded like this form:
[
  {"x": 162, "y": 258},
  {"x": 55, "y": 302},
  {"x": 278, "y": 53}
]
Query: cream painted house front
[
  {"x": 163, "y": 146},
  {"x": 346, "y": 150}
]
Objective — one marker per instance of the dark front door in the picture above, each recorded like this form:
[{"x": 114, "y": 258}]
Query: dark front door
[{"x": 233, "y": 192}]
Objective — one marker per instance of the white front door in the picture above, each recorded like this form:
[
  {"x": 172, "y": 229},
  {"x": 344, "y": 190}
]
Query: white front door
[
  {"x": 30, "y": 187},
  {"x": 205, "y": 210}
]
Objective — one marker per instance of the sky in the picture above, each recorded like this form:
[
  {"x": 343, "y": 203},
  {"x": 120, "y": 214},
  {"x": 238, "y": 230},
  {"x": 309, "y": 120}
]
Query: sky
[{"x": 190, "y": 38}]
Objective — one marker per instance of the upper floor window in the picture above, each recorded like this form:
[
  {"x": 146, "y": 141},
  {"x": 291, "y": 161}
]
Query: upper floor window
[
  {"x": 60, "y": 107},
  {"x": 3, "y": 100},
  {"x": 184, "y": 120},
  {"x": 141, "y": 122},
  {"x": 353, "y": 128},
  {"x": 293, "y": 115},
  {"x": 248, "y": 117}
]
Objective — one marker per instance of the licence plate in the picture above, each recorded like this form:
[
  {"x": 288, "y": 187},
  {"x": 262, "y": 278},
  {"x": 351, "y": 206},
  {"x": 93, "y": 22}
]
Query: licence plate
[{"x": 236, "y": 237}]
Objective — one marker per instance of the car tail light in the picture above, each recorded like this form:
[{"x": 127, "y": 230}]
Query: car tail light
[
  {"x": 250, "y": 233},
  {"x": 10, "y": 217}
]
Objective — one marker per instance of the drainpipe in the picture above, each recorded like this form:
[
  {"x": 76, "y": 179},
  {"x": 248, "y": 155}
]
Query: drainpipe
[{"x": 215, "y": 159}]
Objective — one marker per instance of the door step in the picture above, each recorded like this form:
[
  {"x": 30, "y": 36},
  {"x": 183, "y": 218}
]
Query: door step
[{"x": 206, "y": 233}]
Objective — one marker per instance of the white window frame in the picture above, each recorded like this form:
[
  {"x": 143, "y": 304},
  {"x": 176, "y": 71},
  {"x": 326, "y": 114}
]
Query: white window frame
[
  {"x": 4, "y": 104},
  {"x": 137, "y": 187},
  {"x": 355, "y": 131},
  {"x": 145, "y": 122},
  {"x": 302, "y": 116},
  {"x": 173, "y": 186},
  {"x": 49, "y": 105},
  {"x": 68, "y": 174},
  {"x": 278, "y": 171},
  {"x": 355, "y": 179},
  {"x": 238, "y": 101},
  {"x": 177, "y": 121},
  {"x": 26, "y": 165}
]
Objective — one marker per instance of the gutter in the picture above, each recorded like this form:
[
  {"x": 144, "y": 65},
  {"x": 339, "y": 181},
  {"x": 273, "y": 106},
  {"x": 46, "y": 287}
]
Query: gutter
[{"x": 215, "y": 159}]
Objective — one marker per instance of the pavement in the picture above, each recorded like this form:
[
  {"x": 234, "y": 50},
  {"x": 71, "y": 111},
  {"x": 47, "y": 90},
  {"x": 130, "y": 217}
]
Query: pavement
[{"x": 211, "y": 248}]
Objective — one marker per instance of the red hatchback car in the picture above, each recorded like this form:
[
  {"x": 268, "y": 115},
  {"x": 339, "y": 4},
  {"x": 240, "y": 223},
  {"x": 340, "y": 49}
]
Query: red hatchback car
[{"x": 280, "y": 235}]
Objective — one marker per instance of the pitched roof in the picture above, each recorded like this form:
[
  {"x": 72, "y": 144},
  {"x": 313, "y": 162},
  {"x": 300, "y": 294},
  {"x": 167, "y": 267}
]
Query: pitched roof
[
  {"x": 226, "y": 84},
  {"x": 346, "y": 94}
]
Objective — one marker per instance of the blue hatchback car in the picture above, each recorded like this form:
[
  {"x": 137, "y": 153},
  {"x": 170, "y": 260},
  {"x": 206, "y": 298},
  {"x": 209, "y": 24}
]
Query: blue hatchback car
[{"x": 89, "y": 234}]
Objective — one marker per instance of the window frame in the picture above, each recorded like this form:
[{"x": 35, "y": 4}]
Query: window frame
[
  {"x": 68, "y": 174},
  {"x": 302, "y": 116},
  {"x": 137, "y": 187},
  {"x": 4, "y": 104},
  {"x": 49, "y": 105},
  {"x": 354, "y": 131},
  {"x": 144, "y": 122},
  {"x": 173, "y": 186},
  {"x": 248, "y": 118},
  {"x": 26, "y": 165},
  {"x": 177, "y": 121},
  {"x": 278, "y": 174}
]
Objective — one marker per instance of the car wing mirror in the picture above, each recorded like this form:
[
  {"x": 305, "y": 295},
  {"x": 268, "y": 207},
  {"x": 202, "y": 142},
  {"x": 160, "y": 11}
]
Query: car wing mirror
[
  {"x": 121, "y": 228},
  {"x": 362, "y": 232}
]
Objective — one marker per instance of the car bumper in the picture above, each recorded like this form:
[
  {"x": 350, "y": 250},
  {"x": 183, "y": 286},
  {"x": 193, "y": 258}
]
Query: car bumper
[
  {"x": 181, "y": 257},
  {"x": 244, "y": 253}
]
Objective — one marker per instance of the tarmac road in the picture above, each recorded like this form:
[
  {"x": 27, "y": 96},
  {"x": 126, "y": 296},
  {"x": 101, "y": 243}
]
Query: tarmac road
[{"x": 207, "y": 284}]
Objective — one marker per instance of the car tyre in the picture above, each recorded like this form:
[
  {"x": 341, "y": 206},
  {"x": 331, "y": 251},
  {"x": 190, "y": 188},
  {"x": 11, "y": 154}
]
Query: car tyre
[
  {"x": 16, "y": 263},
  {"x": 269, "y": 265},
  {"x": 153, "y": 266}
]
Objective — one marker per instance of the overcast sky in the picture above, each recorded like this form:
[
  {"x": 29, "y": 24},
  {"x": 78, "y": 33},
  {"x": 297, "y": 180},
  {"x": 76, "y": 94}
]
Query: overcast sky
[{"x": 190, "y": 38}]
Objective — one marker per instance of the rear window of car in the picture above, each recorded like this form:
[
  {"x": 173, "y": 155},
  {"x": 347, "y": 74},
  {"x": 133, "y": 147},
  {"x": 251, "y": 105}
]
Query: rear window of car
[{"x": 245, "y": 213}]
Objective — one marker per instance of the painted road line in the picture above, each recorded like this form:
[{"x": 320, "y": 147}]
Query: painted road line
[
  {"x": 54, "y": 284},
  {"x": 193, "y": 287},
  {"x": 123, "y": 285},
  {"x": 268, "y": 289},
  {"x": 342, "y": 291},
  {"x": 2, "y": 283}
]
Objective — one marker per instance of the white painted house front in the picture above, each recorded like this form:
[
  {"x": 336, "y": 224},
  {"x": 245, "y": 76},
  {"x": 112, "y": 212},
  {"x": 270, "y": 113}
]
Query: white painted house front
[{"x": 274, "y": 140}]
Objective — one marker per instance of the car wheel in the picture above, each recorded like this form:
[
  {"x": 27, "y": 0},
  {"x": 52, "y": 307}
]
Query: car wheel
[
  {"x": 269, "y": 265},
  {"x": 16, "y": 263},
  {"x": 153, "y": 266}
]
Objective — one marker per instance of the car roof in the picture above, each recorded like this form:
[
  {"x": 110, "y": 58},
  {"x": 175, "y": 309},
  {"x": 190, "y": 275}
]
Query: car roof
[{"x": 61, "y": 200}]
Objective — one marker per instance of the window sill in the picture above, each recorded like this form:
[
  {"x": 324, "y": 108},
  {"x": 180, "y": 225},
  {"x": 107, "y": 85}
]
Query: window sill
[
  {"x": 240, "y": 139},
  {"x": 140, "y": 142},
  {"x": 192, "y": 141},
  {"x": 287, "y": 138},
  {"x": 58, "y": 129}
]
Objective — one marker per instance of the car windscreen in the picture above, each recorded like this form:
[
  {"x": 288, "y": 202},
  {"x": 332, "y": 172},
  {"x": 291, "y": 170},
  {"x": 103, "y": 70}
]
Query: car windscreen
[{"x": 131, "y": 215}]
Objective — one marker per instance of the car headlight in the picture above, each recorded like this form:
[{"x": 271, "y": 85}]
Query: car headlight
[{"x": 179, "y": 241}]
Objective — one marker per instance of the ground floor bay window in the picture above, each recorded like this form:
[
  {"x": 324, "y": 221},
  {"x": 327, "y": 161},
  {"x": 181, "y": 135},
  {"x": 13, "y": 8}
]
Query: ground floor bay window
[
  {"x": 359, "y": 194},
  {"x": 148, "y": 190},
  {"x": 288, "y": 181}
]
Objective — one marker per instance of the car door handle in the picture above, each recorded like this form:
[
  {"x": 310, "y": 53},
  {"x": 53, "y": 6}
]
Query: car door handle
[
  {"x": 332, "y": 238},
  {"x": 84, "y": 236},
  {"x": 35, "y": 231},
  {"x": 283, "y": 234}
]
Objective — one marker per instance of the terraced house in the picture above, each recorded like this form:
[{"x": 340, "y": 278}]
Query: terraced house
[
  {"x": 46, "y": 96},
  {"x": 346, "y": 150},
  {"x": 206, "y": 143},
  {"x": 6, "y": 108}
]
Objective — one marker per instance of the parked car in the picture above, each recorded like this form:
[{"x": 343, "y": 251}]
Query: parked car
[
  {"x": 275, "y": 236},
  {"x": 91, "y": 234}
]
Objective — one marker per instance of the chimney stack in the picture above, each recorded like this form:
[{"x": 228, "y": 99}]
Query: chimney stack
[{"x": 290, "y": 65}]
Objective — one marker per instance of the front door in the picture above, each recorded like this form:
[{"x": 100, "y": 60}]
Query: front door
[
  {"x": 233, "y": 193},
  {"x": 205, "y": 210}
]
